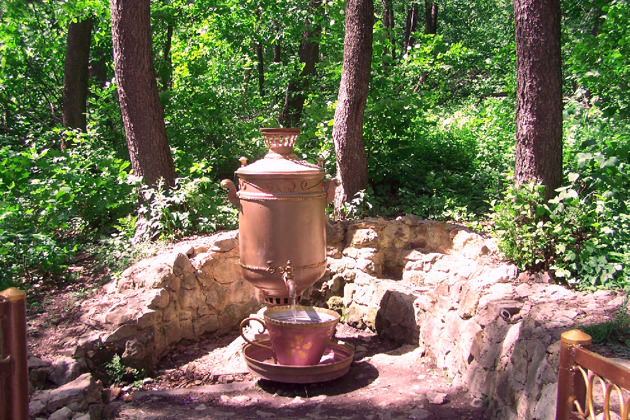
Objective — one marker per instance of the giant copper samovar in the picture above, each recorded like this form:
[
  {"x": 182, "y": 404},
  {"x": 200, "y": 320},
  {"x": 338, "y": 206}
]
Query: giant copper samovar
[{"x": 282, "y": 222}]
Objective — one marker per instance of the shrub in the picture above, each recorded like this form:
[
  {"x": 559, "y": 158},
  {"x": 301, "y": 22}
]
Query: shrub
[{"x": 55, "y": 200}]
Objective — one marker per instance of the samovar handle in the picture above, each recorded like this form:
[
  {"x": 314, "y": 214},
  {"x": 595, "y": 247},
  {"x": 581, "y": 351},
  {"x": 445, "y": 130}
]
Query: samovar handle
[
  {"x": 329, "y": 188},
  {"x": 232, "y": 196}
]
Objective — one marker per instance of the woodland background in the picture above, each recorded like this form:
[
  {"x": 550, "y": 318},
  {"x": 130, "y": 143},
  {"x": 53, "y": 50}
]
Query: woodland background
[{"x": 439, "y": 129}]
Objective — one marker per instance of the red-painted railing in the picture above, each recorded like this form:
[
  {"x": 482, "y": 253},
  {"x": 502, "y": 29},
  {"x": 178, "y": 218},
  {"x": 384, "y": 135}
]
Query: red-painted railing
[
  {"x": 13, "y": 364},
  {"x": 580, "y": 371}
]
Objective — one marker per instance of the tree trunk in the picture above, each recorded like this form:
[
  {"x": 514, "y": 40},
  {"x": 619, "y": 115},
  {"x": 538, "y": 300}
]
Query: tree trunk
[
  {"x": 75, "y": 79},
  {"x": 430, "y": 17},
  {"x": 140, "y": 106},
  {"x": 411, "y": 26},
  {"x": 388, "y": 25},
  {"x": 539, "y": 90},
  {"x": 166, "y": 67},
  {"x": 355, "y": 79},
  {"x": 277, "y": 58},
  {"x": 309, "y": 54},
  {"x": 98, "y": 70},
  {"x": 261, "y": 69}
]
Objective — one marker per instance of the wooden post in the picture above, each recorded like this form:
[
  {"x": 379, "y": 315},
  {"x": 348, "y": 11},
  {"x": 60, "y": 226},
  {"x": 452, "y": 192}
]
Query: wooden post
[
  {"x": 13, "y": 362},
  {"x": 571, "y": 384}
]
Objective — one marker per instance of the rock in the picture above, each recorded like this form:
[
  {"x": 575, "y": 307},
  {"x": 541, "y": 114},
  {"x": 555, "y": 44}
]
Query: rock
[
  {"x": 224, "y": 241},
  {"x": 395, "y": 320},
  {"x": 77, "y": 395},
  {"x": 38, "y": 371},
  {"x": 64, "y": 370},
  {"x": 181, "y": 265},
  {"x": 436, "y": 398},
  {"x": 335, "y": 232},
  {"x": 37, "y": 363},
  {"x": 112, "y": 393},
  {"x": 64, "y": 413},
  {"x": 362, "y": 238},
  {"x": 546, "y": 405}
]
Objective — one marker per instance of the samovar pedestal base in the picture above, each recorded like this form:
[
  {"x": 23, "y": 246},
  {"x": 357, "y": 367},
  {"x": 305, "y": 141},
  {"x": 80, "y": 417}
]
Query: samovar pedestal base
[{"x": 334, "y": 364}]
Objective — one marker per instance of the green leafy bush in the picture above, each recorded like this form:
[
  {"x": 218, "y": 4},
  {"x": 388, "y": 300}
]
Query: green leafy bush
[
  {"x": 54, "y": 200},
  {"x": 578, "y": 238},
  {"x": 192, "y": 206}
]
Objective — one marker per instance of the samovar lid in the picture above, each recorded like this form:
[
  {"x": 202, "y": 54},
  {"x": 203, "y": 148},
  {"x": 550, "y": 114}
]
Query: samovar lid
[{"x": 280, "y": 159}]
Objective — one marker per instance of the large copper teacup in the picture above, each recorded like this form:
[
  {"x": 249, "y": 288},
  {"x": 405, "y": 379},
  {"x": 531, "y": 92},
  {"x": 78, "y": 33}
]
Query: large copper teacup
[{"x": 300, "y": 341}]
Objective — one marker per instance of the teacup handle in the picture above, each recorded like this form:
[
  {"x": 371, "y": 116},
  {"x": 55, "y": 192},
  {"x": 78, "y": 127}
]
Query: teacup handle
[{"x": 253, "y": 343}]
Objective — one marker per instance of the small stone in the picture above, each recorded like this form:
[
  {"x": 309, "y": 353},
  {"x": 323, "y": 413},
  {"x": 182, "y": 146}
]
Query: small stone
[
  {"x": 62, "y": 414},
  {"x": 436, "y": 398},
  {"x": 201, "y": 407},
  {"x": 36, "y": 362},
  {"x": 147, "y": 381},
  {"x": 113, "y": 393},
  {"x": 126, "y": 397},
  {"x": 63, "y": 370},
  {"x": 419, "y": 413}
]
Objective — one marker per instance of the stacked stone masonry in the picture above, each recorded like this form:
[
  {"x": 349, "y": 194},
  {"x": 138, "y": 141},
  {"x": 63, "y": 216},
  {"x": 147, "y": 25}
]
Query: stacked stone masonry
[{"x": 431, "y": 284}]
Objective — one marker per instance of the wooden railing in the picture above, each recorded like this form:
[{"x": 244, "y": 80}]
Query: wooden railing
[
  {"x": 589, "y": 386},
  {"x": 13, "y": 365}
]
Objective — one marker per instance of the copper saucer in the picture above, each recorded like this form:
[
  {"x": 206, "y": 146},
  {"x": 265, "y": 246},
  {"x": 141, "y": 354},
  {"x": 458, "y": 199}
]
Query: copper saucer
[{"x": 334, "y": 364}]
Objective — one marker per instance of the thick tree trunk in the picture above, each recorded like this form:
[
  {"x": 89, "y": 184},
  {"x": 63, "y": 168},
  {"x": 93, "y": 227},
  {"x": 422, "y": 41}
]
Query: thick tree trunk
[
  {"x": 355, "y": 79},
  {"x": 297, "y": 89},
  {"x": 75, "y": 79},
  {"x": 388, "y": 25},
  {"x": 430, "y": 17},
  {"x": 140, "y": 106},
  {"x": 539, "y": 90},
  {"x": 411, "y": 26}
]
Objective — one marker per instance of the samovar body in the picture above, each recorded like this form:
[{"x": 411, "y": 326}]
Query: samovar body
[{"x": 282, "y": 220}]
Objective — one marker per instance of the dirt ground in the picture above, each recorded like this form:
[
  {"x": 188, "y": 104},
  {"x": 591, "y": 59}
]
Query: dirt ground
[{"x": 384, "y": 382}]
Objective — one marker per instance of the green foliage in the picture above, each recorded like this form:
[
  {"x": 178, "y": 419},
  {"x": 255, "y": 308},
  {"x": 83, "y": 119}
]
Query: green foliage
[
  {"x": 598, "y": 56},
  {"x": 360, "y": 206},
  {"x": 615, "y": 332},
  {"x": 438, "y": 131},
  {"x": 192, "y": 206},
  {"x": 56, "y": 199},
  {"x": 438, "y": 164},
  {"x": 119, "y": 373},
  {"x": 580, "y": 237},
  {"x": 519, "y": 224}
]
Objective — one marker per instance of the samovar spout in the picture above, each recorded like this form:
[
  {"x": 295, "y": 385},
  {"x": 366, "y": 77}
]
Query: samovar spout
[{"x": 289, "y": 281}]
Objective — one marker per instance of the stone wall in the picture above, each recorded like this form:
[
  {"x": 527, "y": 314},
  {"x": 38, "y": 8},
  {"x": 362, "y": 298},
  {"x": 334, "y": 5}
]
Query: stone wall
[
  {"x": 447, "y": 290},
  {"x": 431, "y": 284},
  {"x": 193, "y": 289}
]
